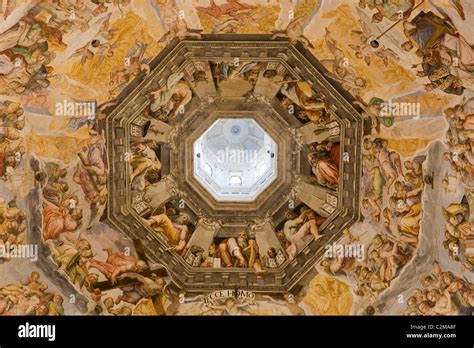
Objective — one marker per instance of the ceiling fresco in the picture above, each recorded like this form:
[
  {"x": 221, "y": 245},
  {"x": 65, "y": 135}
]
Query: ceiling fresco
[{"x": 232, "y": 157}]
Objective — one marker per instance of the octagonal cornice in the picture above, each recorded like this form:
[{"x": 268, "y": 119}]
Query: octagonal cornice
[{"x": 291, "y": 184}]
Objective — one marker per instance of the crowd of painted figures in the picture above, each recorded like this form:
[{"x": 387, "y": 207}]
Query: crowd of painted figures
[
  {"x": 25, "y": 56},
  {"x": 446, "y": 56},
  {"x": 392, "y": 201},
  {"x": 441, "y": 293},
  {"x": 12, "y": 227},
  {"x": 61, "y": 208},
  {"x": 28, "y": 48},
  {"x": 459, "y": 139},
  {"x": 459, "y": 232},
  {"x": 30, "y": 297},
  {"x": 12, "y": 147},
  {"x": 69, "y": 247}
]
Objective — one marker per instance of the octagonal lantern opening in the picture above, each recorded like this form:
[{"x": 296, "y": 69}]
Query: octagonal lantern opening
[{"x": 235, "y": 159}]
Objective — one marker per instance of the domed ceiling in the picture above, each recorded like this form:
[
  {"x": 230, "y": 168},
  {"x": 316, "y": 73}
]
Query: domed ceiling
[
  {"x": 236, "y": 157},
  {"x": 217, "y": 144}
]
